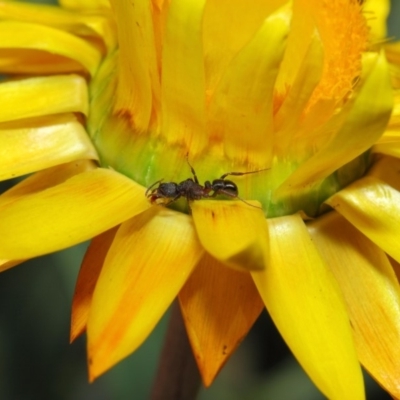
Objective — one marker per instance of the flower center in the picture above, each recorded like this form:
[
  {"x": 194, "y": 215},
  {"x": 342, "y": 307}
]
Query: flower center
[
  {"x": 147, "y": 158},
  {"x": 273, "y": 104}
]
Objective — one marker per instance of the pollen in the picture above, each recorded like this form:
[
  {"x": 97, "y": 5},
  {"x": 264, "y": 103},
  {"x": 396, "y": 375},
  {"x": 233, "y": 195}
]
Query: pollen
[{"x": 344, "y": 35}]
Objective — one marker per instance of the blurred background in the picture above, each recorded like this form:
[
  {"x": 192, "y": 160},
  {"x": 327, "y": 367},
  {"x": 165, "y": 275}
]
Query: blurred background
[{"x": 37, "y": 361}]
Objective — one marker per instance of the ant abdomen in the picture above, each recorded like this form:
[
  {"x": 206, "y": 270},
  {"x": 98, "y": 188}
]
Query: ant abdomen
[{"x": 222, "y": 186}]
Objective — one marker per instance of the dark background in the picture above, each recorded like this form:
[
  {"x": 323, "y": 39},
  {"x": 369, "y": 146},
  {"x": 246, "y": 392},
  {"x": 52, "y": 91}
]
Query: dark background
[{"x": 37, "y": 361}]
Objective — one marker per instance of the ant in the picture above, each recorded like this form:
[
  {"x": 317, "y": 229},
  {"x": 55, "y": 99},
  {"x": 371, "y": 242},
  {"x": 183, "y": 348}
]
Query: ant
[{"x": 192, "y": 190}]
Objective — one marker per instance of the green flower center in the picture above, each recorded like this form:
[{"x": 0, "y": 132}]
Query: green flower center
[{"x": 147, "y": 158}]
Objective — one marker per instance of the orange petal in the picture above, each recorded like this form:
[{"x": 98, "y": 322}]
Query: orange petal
[
  {"x": 305, "y": 302},
  {"x": 356, "y": 135},
  {"x": 149, "y": 261},
  {"x": 68, "y": 213},
  {"x": 219, "y": 306},
  {"x": 87, "y": 279},
  {"x": 371, "y": 291},
  {"x": 233, "y": 232}
]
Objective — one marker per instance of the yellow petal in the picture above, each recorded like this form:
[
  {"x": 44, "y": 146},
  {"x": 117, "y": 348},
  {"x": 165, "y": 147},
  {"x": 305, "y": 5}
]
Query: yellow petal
[
  {"x": 23, "y": 35},
  {"x": 305, "y": 302},
  {"x": 243, "y": 99},
  {"x": 149, "y": 261},
  {"x": 7, "y": 264},
  {"x": 85, "y": 4},
  {"x": 137, "y": 63},
  {"x": 389, "y": 148},
  {"x": 183, "y": 83},
  {"x": 46, "y": 179},
  {"x": 219, "y": 306},
  {"x": 87, "y": 279},
  {"x": 393, "y": 55},
  {"x": 359, "y": 132},
  {"x": 288, "y": 117},
  {"x": 36, "y": 62},
  {"x": 81, "y": 24},
  {"x": 377, "y": 11},
  {"x": 371, "y": 291},
  {"x": 396, "y": 267},
  {"x": 68, "y": 213},
  {"x": 233, "y": 232},
  {"x": 372, "y": 207},
  {"x": 299, "y": 40},
  {"x": 387, "y": 170},
  {"x": 42, "y": 96},
  {"x": 221, "y": 43},
  {"x": 31, "y": 145}
]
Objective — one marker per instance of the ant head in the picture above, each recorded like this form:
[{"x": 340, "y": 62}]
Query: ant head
[{"x": 168, "y": 189}]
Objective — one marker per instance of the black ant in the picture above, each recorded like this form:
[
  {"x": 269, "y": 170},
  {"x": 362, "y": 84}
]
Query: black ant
[{"x": 192, "y": 190}]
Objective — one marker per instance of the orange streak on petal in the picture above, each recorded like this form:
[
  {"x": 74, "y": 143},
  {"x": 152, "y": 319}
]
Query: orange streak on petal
[
  {"x": 137, "y": 63},
  {"x": 47, "y": 178},
  {"x": 87, "y": 279},
  {"x": 219, "y": 306},
  {"x": 149, "y": 261},
  {"x": 36, "y": 62}
]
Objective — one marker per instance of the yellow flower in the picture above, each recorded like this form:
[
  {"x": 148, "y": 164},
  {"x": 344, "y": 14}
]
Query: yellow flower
[{"x": 299, "y": 88}]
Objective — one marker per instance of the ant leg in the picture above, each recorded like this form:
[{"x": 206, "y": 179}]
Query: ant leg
[
  {"x": 243, "y": 173},
  {"x": 151, "y": 187},
  {"x": 207, "y": 189},
  {"x": 188, "y": 200},
  {"x": 192, "y": 169},
  {"x": 226, "y": 193},
  {"x": 171, "y": 200}
]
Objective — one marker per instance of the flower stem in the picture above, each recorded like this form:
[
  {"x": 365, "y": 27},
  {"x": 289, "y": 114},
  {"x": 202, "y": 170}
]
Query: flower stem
[{"x": 177, "y": 377}]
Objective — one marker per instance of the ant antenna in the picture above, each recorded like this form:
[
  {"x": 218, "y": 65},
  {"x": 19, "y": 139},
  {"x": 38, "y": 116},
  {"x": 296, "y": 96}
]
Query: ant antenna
[
  {"x": 191, "y": 168},
  {"x": 243, "y": 173},
  {"x": 151, "y": 187},
  {"x": 251, "y": 205}
]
